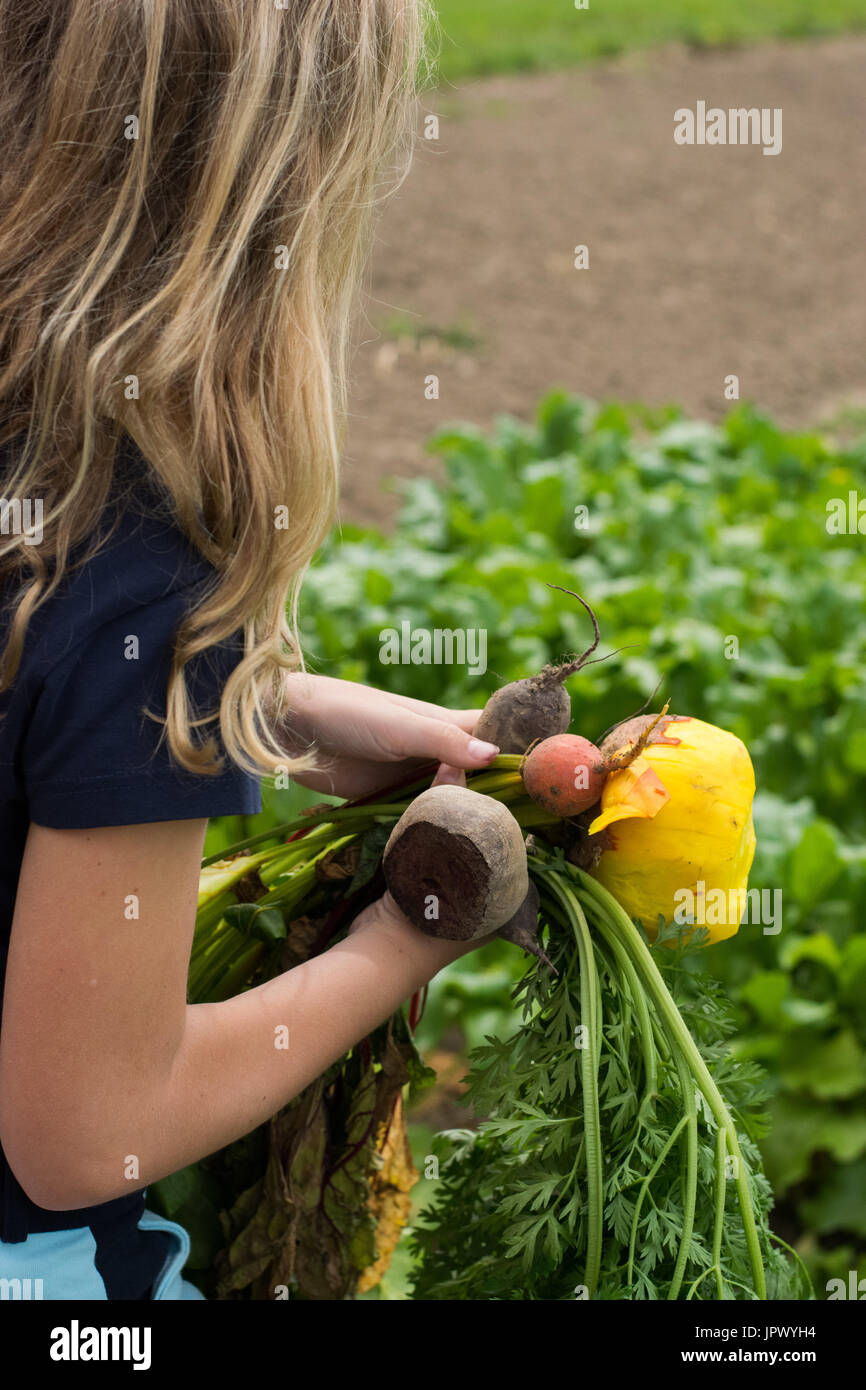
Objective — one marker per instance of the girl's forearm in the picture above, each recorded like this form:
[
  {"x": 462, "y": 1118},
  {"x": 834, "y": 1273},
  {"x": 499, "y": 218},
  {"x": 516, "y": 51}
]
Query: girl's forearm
[{"x": 240, "y": 1061}]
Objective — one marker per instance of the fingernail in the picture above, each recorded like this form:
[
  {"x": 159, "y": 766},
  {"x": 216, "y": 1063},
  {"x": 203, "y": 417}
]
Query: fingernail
[{"x": 477, "y": 749}]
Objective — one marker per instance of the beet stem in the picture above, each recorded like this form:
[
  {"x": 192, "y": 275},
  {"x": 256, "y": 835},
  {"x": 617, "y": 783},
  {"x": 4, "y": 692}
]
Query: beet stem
[
  {"x": 636, "y": 715},
  {"x": 558, "y": 674},
  {"x": 626, "y": 756}
]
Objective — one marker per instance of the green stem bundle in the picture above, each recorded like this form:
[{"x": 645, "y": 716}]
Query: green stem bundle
[
  {"x": 682, "y": 1040},
  {"x": 643, "y": 978}
]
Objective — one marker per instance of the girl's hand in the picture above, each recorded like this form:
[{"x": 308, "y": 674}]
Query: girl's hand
[
  {"x": 367, "y": 738},
  {"x": 433, "y": 953}
]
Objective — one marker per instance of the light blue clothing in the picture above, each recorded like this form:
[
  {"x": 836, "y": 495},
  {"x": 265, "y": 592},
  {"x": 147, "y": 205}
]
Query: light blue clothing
[{"x": 61, "y": 1264}]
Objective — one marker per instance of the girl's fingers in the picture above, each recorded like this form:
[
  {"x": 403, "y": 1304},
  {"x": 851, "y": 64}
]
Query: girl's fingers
[
  {"x": 447, "y": 743},
  {"x": 465, "y": 718},
  {"x": 449, "y": 776}
]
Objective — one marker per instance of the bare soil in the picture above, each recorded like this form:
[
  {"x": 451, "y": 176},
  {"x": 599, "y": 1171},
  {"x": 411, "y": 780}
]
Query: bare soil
[{"x": 705, "y": 261}]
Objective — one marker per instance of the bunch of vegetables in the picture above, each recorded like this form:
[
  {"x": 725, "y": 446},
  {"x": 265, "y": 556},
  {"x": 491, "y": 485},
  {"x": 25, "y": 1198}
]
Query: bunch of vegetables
[
  {"x": 685, "y": 533},
  {"x": 618, "y": 1155}
]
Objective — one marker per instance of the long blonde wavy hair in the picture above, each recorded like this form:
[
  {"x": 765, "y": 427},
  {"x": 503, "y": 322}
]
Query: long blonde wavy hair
[{"x": 187, "y": 197}]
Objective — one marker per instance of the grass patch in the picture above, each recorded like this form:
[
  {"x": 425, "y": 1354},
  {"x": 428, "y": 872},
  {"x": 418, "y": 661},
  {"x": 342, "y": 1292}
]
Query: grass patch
[
  {"x": 405, "y": 328},
  {"x": 489, "y": 36}
]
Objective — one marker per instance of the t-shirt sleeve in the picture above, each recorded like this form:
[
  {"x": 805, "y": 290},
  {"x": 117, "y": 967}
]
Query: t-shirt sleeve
[{"x": 91, "y": 756}]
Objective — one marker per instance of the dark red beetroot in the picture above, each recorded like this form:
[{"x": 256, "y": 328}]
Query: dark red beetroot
[
  {"x": 534, "y": 708},
  {"x": 455, "y": 864}
]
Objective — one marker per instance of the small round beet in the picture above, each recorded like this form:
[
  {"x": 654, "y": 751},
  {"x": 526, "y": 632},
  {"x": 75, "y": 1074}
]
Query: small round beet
[
  {"x": 522, "y": 711},
  {"x": 564, "y": 774}
]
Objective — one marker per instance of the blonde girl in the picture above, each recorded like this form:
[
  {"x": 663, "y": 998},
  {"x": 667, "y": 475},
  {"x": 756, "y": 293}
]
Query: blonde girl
[{"x": 187, "y": 192}]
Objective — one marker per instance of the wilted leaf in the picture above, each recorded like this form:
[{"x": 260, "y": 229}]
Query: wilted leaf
[
  {"x": 339, "y": 864},
  {"x": 390, "y": 1204}
]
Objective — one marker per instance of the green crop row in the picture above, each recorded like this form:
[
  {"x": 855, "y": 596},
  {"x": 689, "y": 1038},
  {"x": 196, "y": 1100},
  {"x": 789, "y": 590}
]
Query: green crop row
[{"x": 487, "y": 36}]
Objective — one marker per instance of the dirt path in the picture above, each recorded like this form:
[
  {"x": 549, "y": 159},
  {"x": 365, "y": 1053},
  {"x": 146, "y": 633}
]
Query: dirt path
[{"x": 704, "y": 261}]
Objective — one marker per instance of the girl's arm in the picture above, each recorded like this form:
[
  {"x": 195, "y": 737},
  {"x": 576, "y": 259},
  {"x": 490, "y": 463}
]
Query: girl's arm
[{"x": 109, "y": 1080}]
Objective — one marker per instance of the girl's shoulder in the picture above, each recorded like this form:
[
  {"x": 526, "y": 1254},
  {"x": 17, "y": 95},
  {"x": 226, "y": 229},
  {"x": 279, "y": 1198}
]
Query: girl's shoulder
[
  {"x": 144, "y": 565},
  {"x": 97, "y": 656}
]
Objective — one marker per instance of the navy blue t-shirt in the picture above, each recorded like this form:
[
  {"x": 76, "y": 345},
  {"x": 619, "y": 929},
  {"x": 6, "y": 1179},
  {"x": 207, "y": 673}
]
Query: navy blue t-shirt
[{"x": 77, "y": 751}]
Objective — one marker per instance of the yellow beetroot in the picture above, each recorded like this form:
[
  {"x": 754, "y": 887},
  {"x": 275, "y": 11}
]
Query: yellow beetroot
[{"x": 690, "y": 849}]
